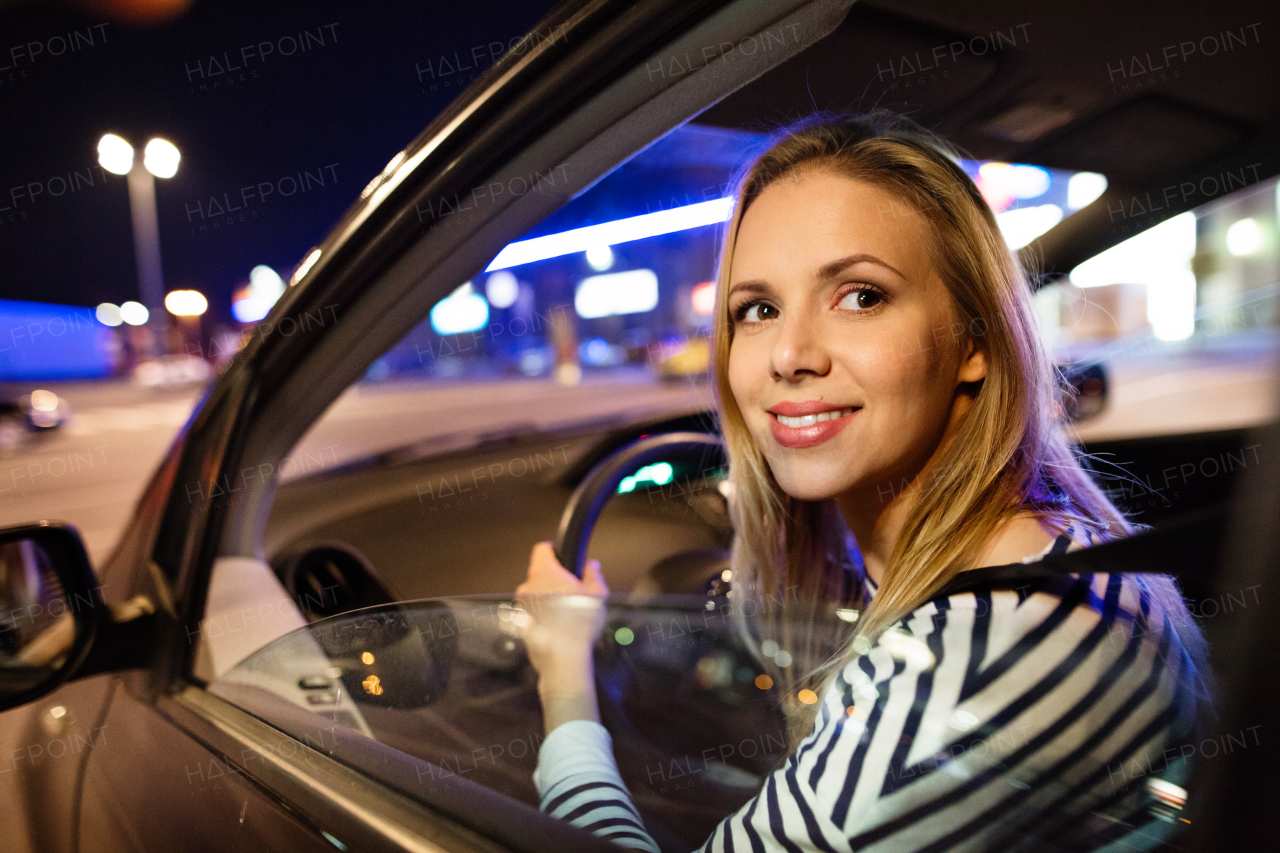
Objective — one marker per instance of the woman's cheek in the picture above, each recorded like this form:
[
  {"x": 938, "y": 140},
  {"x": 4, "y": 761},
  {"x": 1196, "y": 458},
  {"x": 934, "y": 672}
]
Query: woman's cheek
[
  {"x": 738, "y": 375},
  {"x": 875, "y": 352},
  {"x": 874, "y": 362},
  {"x": 748, "y": 376}
]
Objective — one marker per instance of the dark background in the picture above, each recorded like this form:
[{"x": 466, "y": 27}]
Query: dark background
[{"x": 349, "y": 104}]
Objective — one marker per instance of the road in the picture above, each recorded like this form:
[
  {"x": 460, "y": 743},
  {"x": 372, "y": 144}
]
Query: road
[{"x": 92, "y": 471}]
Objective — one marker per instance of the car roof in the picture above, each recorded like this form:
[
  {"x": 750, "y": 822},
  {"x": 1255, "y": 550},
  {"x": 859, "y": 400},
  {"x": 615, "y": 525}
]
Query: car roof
[{"x": 1149, "y": 98}]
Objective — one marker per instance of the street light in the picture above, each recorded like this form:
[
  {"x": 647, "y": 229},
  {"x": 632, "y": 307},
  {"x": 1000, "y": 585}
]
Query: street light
[
  {"x": 159, "y": 160},
  {"x": 186, "y": 303}
]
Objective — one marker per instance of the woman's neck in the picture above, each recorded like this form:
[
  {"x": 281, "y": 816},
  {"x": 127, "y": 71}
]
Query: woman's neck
[{"x": 876, "y": 525}]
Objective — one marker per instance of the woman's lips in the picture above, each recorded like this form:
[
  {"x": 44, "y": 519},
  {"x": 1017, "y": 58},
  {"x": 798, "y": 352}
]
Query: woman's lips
[{"x": 809, "y": 430}]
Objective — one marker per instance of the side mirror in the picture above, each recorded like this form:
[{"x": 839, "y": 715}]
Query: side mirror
[{"x": 50, "y": 609}]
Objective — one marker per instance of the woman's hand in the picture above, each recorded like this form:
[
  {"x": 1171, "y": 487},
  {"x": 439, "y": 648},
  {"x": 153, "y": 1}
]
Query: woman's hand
[{"x": 567, "y": 616}]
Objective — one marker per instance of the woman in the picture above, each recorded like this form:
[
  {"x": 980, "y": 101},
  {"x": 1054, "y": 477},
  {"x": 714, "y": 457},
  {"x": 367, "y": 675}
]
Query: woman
[{"x": 879, "y": 373}]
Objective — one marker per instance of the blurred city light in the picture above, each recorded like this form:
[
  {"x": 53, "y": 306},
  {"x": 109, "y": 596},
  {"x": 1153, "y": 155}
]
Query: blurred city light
[
  {"x": 1160, "y": 258},
  {"x": 161, "y": 158},
  {"x": 1244, "y": 237},
  {"x": 249, "y": 310},
  {"x": 600, "y": 257},
  {"x": 630, "y": 292},
  {"x": 44, "y": 401},
  {"x": 1016, "y": 180},
  {"x": 1022, "y": 225},
  {"x": 254, "y": 302},
  {"x": 704, "y": 298},
  {"x": 44, "y": 409},
  {"x": 612, "y": 233},
  {"x": 464, "y": 310},
  {"x": 1171, "y": 306},
  {"x": 532, "y": 362},
  {"x": 1084, "y": 188},
  {"x": 266, "y": 282},
  {"x": 115, "y": 155},
  {"x": 108, "y": 314},
  {"x": 502, "y": 289},
  {"x": 41, "y": 341},
  {"x": 186, "y": 303},
  {"x": 134, "y": 313},
  {"x": 594, "y": 351}
]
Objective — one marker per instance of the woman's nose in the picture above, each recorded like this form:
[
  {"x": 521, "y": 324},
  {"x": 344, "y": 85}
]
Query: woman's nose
[{"x": 798, "y": 351}]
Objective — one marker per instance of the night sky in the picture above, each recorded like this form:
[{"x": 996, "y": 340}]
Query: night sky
[{"x": 290, "y": 139}]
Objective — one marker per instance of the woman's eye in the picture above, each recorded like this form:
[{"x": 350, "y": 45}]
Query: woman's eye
[
  {"x": 757, "y": 312},
  {"x": 861, "y": 300}
]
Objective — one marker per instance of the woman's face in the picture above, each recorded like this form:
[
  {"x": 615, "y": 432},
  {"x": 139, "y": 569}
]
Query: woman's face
[{"x": 846, "y": 356}]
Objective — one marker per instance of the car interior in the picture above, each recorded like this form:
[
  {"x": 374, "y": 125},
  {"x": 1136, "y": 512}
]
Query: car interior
[
  {"x": 1190, "y": 125},
  {"x": 418, "y": 522}
]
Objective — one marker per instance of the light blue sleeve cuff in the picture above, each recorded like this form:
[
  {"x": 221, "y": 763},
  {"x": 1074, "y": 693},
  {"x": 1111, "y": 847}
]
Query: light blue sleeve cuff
[{"x": 574, "y": 748}]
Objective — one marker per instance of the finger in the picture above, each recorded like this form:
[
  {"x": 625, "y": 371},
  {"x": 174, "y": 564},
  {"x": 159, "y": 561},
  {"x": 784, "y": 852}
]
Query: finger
[
  {"x": 593, "y": 579},
  {"x": 543, "y": 560},
  {"x": 545, "y": 570},
  {"x": 541, "y": 564},
  {"x": 546, "y": 576}
]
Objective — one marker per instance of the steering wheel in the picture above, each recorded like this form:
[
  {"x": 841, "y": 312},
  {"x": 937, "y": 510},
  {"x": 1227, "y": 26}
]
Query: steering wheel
[{"x": 600, "y": 484}]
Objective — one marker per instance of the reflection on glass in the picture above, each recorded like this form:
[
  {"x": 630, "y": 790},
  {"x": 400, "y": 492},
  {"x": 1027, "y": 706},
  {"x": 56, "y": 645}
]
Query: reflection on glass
[
  {"x": 695, "y": 720},
  {"x": 36, "y": 623}
]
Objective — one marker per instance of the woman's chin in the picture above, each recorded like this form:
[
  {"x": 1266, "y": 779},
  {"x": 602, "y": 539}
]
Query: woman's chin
[{"x": 796, "y": 485}]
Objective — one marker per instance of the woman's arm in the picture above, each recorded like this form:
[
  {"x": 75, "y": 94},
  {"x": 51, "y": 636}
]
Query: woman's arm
[
  {"x": 567, "y": 617},
  {"x": 577, "y": 778}
]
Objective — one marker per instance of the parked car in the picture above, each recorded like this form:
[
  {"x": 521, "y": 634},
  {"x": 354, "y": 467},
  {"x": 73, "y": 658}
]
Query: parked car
[
  {"x": 23, "y": 417},
  {"x": 296, "y": 649}
]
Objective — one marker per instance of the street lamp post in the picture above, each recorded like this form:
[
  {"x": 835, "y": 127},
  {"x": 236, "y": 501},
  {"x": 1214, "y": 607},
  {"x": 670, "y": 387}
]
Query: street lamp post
[{"x": 160, "y": 160}]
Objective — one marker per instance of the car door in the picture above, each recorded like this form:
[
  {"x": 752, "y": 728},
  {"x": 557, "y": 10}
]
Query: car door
[
  {"x": 152, "y": 786},
  {"x": 182, "y": 768}
]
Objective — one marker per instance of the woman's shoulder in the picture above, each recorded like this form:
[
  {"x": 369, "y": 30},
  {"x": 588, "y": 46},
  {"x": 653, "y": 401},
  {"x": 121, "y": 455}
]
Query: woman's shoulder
[
  {"x": 1037, "y": 622},
  {"x": 1009, "y": 594},
  {"x": 1005, "y": 647},
  {"x": 1012, "y": 602}
]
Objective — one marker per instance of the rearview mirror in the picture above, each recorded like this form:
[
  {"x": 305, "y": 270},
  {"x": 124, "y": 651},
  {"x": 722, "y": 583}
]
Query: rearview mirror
[
  {"x": 1087, "y": 389},
  {"x": 50, "y": 609}
]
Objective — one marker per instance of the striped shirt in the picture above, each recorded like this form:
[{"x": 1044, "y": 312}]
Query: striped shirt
[{"x": 997, "y": 718}]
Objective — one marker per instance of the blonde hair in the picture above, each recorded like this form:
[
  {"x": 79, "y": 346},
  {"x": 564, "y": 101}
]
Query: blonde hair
[{"x": 1008, "y": 454}]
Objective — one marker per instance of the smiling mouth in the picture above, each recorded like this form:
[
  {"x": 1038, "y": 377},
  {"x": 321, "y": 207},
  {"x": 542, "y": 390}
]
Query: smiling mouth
[{"x": 810, "y": 420}]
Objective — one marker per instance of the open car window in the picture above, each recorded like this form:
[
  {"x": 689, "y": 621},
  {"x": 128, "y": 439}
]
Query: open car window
[
  {"x": 602, "y": 311},
  {"x": 368, "y": 524},
  {"x": 424, "y": 484},
  {"x": 411, "y": 488}
]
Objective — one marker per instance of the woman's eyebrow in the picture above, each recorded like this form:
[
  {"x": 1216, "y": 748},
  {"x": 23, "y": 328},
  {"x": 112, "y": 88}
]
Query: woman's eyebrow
[
  {"x": 754, "y": 286},
  {"x": 834, "y": 268}
]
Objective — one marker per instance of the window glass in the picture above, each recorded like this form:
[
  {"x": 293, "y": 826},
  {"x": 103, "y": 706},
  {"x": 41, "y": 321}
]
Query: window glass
[
  {"x": 694, "y": 718},
  {"x": 696, "y": 723}
]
